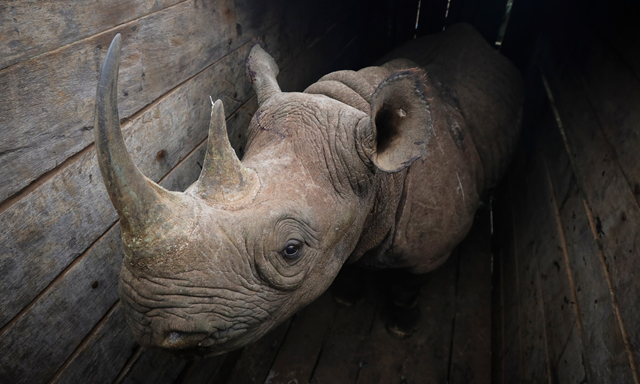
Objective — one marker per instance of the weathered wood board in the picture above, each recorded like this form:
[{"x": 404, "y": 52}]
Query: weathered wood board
[
  {"x": 577, "y": 210},
  {"x": 428, "y": 357},
  {"x": 103, "y": 355},
  {"x": 302, "y": 346},
  {"x": 340, "y": 359},
  {"x": 600, "y": 330},
  {"x": 27, "y": 31},
  {"x": 608, "y": 196},
  {"x": 47, "y": 106},
  {"x": 533, "y": 361},
  {"x": 471, "y": 344},
  {"x": 56, "y": 323},
  {"x": 256, "y": 359}
]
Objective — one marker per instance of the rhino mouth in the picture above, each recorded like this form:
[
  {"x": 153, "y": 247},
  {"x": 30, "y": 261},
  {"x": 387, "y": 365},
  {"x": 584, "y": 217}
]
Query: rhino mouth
[
  {"x": 177, "y": 340},
  {"x": 193, "y": 345}
]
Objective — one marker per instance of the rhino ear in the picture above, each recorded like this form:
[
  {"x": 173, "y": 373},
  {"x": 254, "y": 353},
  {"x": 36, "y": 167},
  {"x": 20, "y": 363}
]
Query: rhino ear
[
  {"x": 400, "y": 120},
  {"x": 262, "y": 71}
]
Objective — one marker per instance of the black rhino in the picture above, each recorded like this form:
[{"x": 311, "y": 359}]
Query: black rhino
[{"x": 382, "y": 167}]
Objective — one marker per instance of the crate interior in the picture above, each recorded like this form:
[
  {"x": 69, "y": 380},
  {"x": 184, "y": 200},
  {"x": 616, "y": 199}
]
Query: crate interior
[{"x": 544, "y": 288}]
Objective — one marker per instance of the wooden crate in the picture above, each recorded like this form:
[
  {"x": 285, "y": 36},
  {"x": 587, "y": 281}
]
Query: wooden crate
[{"x": 556, "y": 300}]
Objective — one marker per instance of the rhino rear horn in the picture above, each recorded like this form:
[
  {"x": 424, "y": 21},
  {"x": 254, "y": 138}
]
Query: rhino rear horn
[
  {"x": 224, "y": 179},
  {"x": 133, "y": 195},
  {"x": 262, "y": 71}
]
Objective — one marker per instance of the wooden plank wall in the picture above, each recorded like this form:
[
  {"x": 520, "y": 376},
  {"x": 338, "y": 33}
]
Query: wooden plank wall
[
  {"x": 60, "y": 247},
  {"x": 392, "y": 22},
  {"x": 568, "y": 216}
]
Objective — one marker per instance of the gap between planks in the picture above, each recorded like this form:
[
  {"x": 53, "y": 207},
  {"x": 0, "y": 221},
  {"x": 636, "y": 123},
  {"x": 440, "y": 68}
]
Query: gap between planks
[
  {"x": 563, "y": 241},
  {"x": 517, "y": 274},
  {"x": 127, "y": 367},
  {"x": 35, "y": 184},
  {"x": 54, "y": 281},
  {"x": 84, "y": 343}
]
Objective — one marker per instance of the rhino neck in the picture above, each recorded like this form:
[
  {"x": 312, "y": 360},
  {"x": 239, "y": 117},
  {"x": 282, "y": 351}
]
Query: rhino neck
[{"x": 380, "y": 223}]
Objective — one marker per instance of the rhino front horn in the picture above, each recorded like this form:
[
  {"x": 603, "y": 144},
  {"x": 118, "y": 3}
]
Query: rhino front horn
[
  {"x": 224, "y": 179},
  {"x": 137, "y": 199}
]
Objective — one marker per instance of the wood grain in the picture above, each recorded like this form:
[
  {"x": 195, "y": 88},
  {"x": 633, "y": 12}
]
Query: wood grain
[
  {"x": 425, "y": 356},
  {"x": 614, "y": 93},
  {"x": 600, "y": 329},
  {"x": 605, "y": 352},
  {"x": 382, "y": 357},
  {"x": 27, "y": 31},
  {"x": 56, "y": 324},
  {"x": 563, "y": 327}
]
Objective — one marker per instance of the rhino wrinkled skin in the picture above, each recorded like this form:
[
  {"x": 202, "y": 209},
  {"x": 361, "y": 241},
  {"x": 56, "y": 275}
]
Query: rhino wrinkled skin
[{"x": 383, "y": 167}]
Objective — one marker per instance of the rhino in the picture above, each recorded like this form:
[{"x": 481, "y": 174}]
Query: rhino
[{"x": 383, "y": 167}]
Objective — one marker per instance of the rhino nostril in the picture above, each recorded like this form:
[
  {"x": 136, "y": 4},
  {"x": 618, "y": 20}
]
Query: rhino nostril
[{"x": 181, "y": 340}]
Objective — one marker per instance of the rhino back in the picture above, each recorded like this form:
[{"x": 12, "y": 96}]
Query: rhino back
[{"x": 482, "y": 84}]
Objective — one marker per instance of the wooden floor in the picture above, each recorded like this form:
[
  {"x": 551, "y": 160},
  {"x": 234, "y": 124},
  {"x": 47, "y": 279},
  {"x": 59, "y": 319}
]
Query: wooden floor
[{"x": 325, "y": 344}]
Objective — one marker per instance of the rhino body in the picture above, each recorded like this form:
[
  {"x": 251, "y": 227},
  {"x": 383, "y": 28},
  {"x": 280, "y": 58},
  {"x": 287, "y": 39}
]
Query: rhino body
[{"x": 383, "y": 167}]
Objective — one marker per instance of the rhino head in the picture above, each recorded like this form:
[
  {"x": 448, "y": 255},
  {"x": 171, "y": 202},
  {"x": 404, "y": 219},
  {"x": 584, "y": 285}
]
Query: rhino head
[{"x": 253, "y": 241}]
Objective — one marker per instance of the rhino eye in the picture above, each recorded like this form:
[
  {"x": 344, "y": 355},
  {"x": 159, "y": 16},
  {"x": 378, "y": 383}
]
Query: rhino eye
[{"x": 292, "y": 250}]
